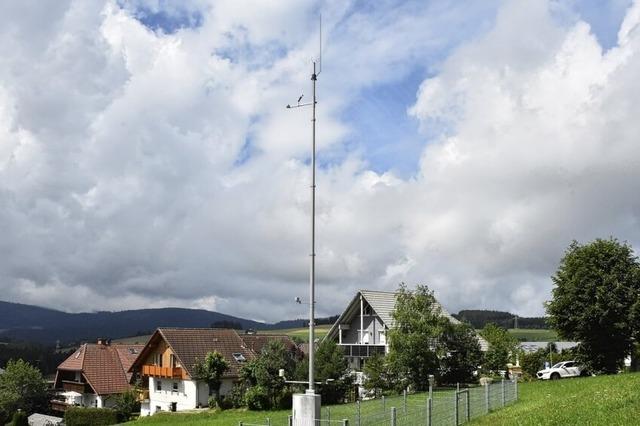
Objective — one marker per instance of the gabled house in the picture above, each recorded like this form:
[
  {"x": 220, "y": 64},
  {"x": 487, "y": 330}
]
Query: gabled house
[
  {"x": 361, "y": 330},
  {"x": 166, "y": 364},
  {"x": 93, "y": 374}
]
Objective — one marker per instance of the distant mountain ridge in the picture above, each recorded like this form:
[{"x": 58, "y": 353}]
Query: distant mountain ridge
[{"x": 47, "y": 326}]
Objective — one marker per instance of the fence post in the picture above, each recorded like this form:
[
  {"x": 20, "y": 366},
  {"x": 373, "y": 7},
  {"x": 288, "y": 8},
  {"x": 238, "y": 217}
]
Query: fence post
[
  {"x": 384, "y": 404},
  {"x": 240, "y": 424},
  {"x": 487, "y": 388},
  {"x": 455, "y": 415},
  {"x": 290, "y": 423},
  {"x": 268, "y": 421},
  {"x": 430, "y": 391},
  {"x": 328, "y": 415},
  {"x": 393, "y": 416},
  {"x": 429, "y": 410},
  {"x": 404, "y": 401},
  {"x": 468, "y": 401},
  {"x": 503, "y": 392},
  {"x": 515, "y": 383},
  {"x": 358, "y": 406},
  {"x": 345, "y": 422}
]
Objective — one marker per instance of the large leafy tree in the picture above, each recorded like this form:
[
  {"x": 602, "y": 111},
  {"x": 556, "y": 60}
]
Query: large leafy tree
[
  {"x": 263, "y": 371},
  {"x": 502, "y": 347},
  {"x": 415, "y": 341},
  {"x": 211, "y": 370},
  {"x": 596, "y": 298},
  {"x": 331, "y": 369},
  {"x": 378, "y": 374},
  {"x": 21, "y": 387},
  {"x": 464, "y": 355}
]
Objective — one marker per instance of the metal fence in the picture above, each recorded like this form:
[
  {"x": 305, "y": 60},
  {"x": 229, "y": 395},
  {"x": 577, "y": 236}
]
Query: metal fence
[{"x": 437, "y": 408}]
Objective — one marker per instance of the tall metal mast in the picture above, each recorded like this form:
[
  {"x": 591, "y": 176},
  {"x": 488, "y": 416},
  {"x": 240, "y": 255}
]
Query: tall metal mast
[{"x": 312, "y": 274}]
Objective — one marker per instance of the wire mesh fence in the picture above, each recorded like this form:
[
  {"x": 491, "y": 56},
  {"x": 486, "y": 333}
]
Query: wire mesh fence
[{"x": 436, "y": 408}]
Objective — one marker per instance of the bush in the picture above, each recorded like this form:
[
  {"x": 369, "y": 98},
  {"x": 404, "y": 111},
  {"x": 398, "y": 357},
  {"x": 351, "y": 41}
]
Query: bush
[
  {"x": 79, "y": 416},
  {"x": 236, "y": 396},
  {"x": 212, "y": 402},
  {"x": 284, "y": 400},
  {"x": 257, "y": 398},
  {"x": 20, "y": 419}
]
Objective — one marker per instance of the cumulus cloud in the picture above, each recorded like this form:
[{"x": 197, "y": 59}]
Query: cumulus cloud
[{"x": 142, "y": 167}]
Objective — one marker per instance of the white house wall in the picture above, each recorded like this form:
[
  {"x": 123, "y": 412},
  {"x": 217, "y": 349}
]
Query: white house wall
[{"x": 189, "y": 395}]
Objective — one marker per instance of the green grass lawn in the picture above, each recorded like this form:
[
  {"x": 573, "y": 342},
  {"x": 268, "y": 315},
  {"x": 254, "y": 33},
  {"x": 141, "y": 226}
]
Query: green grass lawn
[
  {"x": 533, "y": 335},
  {"x": 604, "y": 400},
  {"x": 301, "y": 333}
]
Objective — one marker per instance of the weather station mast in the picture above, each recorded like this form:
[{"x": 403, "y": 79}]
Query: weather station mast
[{"x": 306, "y": 406}]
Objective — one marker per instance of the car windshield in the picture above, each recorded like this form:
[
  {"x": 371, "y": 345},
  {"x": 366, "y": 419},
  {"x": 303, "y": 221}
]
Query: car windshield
[{"x": 558, "y": 365}]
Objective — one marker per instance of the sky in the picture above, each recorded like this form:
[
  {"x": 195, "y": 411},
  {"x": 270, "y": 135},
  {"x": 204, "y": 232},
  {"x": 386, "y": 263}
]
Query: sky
[{"x": 147, "y": 158}]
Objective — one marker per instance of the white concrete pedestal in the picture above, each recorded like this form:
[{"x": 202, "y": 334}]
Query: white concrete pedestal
[{"x": 306, "y": 409}]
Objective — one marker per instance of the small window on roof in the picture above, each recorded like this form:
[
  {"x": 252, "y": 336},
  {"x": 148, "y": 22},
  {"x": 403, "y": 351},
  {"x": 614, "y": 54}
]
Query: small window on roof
[
  {"x": 239, "y": 357},
  {"x": 133, "y": 351}
]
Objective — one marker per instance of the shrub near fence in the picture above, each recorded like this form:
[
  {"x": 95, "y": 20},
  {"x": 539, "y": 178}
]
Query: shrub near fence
[{"x": 80, "y": 416}]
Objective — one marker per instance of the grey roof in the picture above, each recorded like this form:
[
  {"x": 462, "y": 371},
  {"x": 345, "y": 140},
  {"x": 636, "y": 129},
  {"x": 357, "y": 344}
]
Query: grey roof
[
  {"x": 534, "y": 346},
  {"x": 37, "y": 419},
  {"x": 383, "y": 303}
]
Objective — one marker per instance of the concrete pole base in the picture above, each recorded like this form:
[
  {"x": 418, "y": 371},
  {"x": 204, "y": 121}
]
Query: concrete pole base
[{"x": 306, "y": 409}]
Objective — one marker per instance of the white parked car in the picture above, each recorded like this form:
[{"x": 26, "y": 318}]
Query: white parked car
[{"x": 561, "y": 370}]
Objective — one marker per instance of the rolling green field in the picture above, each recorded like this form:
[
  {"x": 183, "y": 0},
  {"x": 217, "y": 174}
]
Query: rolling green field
[
  {"x": 533, "y": 335},
  {"x": 603, "y": 400}
]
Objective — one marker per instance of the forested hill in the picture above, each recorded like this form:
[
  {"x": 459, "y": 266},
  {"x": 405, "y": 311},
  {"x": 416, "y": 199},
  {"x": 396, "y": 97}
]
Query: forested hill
[
  {"x": 20, "y": 322},
  {"x": 479, "y": 318}
]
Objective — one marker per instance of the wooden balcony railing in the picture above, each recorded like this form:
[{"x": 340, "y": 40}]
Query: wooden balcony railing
[
  {"x": 59, "y": 405},
  {"x": 69, "y": 385},
  {"x": 155, "y": 371}
]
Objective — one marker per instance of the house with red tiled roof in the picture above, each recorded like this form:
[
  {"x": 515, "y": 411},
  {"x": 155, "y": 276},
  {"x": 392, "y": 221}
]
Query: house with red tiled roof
[
  {"x": 94, "y": 374},
  {"x": 166, "y": 364}
]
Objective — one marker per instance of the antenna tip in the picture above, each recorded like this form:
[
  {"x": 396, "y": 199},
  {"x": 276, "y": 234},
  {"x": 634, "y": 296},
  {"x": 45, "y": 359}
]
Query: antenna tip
[{"x": 288, "y": 106}]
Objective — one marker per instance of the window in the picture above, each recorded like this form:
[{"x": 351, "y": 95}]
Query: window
[
  {"x": 239, "y": 357},
  {"x": 133, "y": 351},
  {"x": 157, "y": 360},
  {"x": 173, "y": 361},
  {"x": 382, "y": 338},
  {"x": 366, "y": 310},
  {"x": 175, "y": 387},
  {"x": 158, "y": 385}
]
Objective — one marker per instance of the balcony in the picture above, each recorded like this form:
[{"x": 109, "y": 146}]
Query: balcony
[
  {"x": 57, "y": 405},
  {"x": 73, "y": 386},
  {"x": 363, "y": 351},
  {"x": 143, "y": 395},
  {"x": 167, "y": 372}
]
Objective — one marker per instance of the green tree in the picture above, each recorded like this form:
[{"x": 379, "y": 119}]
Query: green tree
[
  {"x": 263, "y": 371},
  {"x": 211, "y": 370},
  {"x": 464, "y": 355},
  {"x": 415, "y": 344},
  {"x": 332, "y": 370},
  {"x": 21, "y": 387},
  {"x": 379, "y": 375},
  {"x": 127, "y": 403},
  {"x": 502, "y": 347},
  {"x": 595, "y": 301}
]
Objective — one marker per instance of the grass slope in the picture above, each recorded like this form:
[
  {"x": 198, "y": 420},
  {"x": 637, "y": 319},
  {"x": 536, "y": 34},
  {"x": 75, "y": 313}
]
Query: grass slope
[
  {"x": 604, "y": 400},
  {"x": 533, "y": 335}
]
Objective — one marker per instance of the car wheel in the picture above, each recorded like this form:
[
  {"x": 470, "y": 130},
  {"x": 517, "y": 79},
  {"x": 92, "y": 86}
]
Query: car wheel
[
  {"x": 555, "y": 376},
  {"x": 584, "y": 373}
]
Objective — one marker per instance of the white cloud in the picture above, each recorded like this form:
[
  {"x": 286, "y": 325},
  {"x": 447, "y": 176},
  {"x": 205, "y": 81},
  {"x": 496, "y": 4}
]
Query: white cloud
[{"x": 142, "y": 169}]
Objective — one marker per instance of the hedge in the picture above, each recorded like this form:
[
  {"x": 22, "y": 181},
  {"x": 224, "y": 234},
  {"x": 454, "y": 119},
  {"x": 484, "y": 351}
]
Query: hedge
[{"x": 79, "y": 416}]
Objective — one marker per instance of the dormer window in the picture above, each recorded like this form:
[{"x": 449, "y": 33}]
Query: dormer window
[
  {"x": 367, "y": 310},
  {"x": 239, "y": 357}
]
